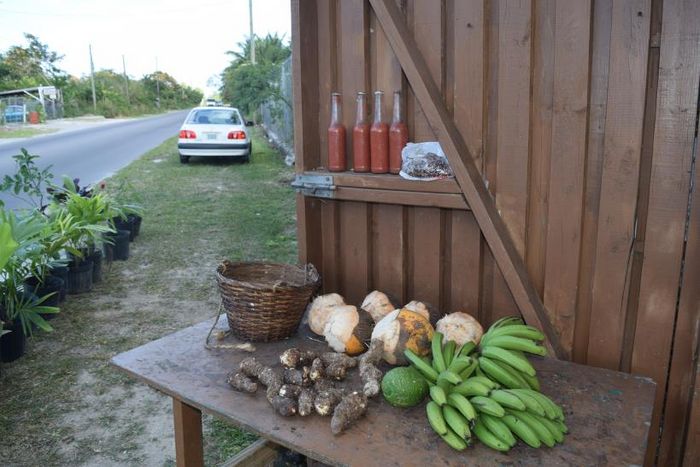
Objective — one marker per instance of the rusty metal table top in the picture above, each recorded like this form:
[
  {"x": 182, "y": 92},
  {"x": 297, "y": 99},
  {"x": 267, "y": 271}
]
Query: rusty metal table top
[{"x": 608, "y": 413}]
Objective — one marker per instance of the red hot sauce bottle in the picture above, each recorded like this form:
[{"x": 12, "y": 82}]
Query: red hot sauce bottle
[
  {"x": 360, "y": 136},
  {"x": 337, "y": 162},
  {"x": 398, "y": 136},
  {"x": 379, "y": 138}
]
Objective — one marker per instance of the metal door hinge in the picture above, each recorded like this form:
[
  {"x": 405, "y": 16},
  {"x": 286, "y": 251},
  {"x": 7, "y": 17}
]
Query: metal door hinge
[{"x": 319, "y": 186}]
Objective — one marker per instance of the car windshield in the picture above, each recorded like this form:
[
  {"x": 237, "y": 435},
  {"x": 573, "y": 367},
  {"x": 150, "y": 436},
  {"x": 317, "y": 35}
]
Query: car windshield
[{"x": 215, "y": 117}]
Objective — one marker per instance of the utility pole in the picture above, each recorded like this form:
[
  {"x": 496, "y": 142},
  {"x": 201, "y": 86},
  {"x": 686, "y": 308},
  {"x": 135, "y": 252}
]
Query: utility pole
[
  {"x": 92, "y": 80},
  {"x": 126, "y": 81},
  {"x": 157, "y": 86},
  {"x": 252, "y": 35}
]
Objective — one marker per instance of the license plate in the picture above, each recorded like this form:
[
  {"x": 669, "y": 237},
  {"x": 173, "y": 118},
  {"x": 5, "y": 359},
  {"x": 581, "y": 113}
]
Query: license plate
[{"x": 211, "y": 135}]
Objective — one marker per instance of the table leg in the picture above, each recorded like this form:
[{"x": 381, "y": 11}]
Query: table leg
[{"x": 188, "y": 435}]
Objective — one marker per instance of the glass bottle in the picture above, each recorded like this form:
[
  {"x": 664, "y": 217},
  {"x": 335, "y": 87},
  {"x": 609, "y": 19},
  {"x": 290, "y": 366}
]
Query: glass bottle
[
  {"x": 379, "y": 138},
  {"x": 337, "y": 161},
  {"x": 398, "y": 136},
  {"x": 360, "y": 136}
]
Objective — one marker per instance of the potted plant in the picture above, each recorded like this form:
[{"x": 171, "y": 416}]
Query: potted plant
[{"x": 19, "y": 311}]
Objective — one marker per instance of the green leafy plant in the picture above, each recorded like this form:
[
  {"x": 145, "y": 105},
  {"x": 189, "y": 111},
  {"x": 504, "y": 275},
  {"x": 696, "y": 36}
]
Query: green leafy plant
[
  {"x": 25, "y": 232},
  {"x": 27, "y": 182}
]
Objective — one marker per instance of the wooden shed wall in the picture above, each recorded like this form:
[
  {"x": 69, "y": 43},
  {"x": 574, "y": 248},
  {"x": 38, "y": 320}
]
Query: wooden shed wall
[{"x": 581, "y": 115}]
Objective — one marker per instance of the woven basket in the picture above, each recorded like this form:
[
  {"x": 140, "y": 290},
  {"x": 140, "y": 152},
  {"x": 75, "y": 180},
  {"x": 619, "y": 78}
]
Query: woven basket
[{"x": 265, "y": 301}]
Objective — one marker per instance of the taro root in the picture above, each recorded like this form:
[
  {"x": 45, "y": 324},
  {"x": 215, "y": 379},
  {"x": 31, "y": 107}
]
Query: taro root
[
  {"x": 305, "y": 402},
  {"x": 284, "y": 405},
  {"x": 242, "y": 383},
  {"x": 350, "y": 409},
  {"x": 292, "y": 358},
  {"x": 290, "y": 391},
  {"x": 326, "y": 400}
]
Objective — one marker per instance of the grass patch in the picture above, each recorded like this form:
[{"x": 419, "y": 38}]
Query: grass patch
[
  {"x": 24, "y": 132},
  {"x": 62, "y": 401}
]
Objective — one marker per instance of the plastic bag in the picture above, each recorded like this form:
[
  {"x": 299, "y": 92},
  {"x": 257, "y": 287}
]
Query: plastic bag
[{"x": 424, "y": 161}]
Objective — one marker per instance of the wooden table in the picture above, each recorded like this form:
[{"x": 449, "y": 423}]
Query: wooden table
[{"x": 608, "y": 413}]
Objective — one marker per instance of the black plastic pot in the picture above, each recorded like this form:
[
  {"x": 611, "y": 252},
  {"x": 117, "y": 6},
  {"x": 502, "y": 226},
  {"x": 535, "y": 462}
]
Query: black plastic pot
[
  {"x": 135, "y": 221},
  {"x": 60, "y": 272},
  {"x": 80, "y": 276},
  {"x": 96, "y": 258},
  {"x": 14, "y": 344},
  {"x": 125, "y": 224},
  {"x": 120, "y": 245},
  {"x": 51, "y": 285}
]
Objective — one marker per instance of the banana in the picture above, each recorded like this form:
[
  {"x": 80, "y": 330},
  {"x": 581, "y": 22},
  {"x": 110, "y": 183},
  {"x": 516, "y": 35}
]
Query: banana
[
  {"x": 466, "y": 349},
  {"x": 488, "y": 406},
  {"x": 518, "y": 343},
  {"x": 450, "y": 377},
  {"x": 480, "y": 372},
  {"x": 456, "y": 421},
  {"x": 540, "y": 430},
  {"x": 419, "y": 364},
  {"x": 462, "y": 404},
  {"x": 498, "y": 428},
  {"x": 436, "y": 347},
  {"x": 530, "y": 402},
  {"x": 507, "y": 399},
  {"x": 454, "y": 441},
  {"x": 435, "y": 418},
  {"x": 552, "y": 427},
  {"x": 459, "y": 364},
  {"x": 516, "y": 330},
  {"x": 520, "y": 377},
  {"x": 553, "y": 411},
  {"x": 506, "y": 321},
  {"x": 489, "y": 383},
  {"x": 467, "y": 372},
  {"x": 499, "y": 374},
  {"x": 532, "y": 381},
  {"x": 562, "y": 427},
  {"x": 522, "y": 430},
  {"x": 550, "y": 408},
  {"x": 518, "y": 362},
  {"x": 488, "y": 438},
  {"x": 437, "y": 394},
  {"x": 448, "y": 352},
  {"x": 471, "y": 388}
]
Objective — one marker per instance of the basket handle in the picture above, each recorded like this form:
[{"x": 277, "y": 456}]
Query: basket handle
[{"x": 245, "y": 346}]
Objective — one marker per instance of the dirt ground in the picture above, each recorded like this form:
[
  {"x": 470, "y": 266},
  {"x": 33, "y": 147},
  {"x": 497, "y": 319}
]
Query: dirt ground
[{"x": 62, "y": 404}]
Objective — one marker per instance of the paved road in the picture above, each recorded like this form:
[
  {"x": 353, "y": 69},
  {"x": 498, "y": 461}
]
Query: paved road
[{"x": 92, "y": 154}]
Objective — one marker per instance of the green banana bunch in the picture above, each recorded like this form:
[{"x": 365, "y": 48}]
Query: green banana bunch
[{"x": 490, "y": 391}]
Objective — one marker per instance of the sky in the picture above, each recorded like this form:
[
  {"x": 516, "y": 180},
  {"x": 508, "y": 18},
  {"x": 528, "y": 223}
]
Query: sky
[{"x": 189, "y": 39}]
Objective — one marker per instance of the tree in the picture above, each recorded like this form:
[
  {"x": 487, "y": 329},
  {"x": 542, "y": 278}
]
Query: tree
[
  {"x": 29, "y": 66},
  {"x": 249, "y": 85}
]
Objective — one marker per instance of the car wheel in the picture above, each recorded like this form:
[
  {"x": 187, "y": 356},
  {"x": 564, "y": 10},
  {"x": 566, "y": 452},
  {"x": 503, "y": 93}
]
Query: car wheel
[{"x": 184, "y": 159}]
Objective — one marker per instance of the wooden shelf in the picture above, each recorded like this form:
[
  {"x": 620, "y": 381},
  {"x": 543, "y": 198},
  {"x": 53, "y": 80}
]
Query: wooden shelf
[{"x": 392, "y": 189}]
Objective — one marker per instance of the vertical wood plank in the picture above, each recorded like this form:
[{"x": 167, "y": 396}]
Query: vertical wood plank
[
  {"x": 425, "y": 20},
  {"x": 464, "y": 284},
  {"x": 330, "y": 232},
  {"x": 691, "y": 455},
  {"x": 425, "y": 250},
  {"x": 353, "y": 41},
  {"x": 309, "y": 240},
  {"x": 598, "y": 102},
  {"x": 512, "y": 138},
  {"x": 388, "y": 245},
  {"x": 674, "y": 133},
  {"x": 466, "y": 94},
  {"x": 467, "y": 73},
  {"x": 625, "y": 112},
  {"x": 355, "y": 250},
  {"x": 386, "y": 71},
  {"x": 568, "y": 158},
  {"x": 188, "y": 435},
  {"x": 540, "y": 139},
  {"x": 305, "y": 92},
  {"x": 327, "y": 73}
]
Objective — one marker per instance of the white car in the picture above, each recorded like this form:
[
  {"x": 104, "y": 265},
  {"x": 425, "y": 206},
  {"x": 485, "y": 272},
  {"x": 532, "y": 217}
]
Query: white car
[{"x": 214, "y": 132}]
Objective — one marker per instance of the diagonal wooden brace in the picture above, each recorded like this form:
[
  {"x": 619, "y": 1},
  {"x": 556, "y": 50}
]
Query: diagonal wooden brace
[{"x": 466, "y": 173}]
